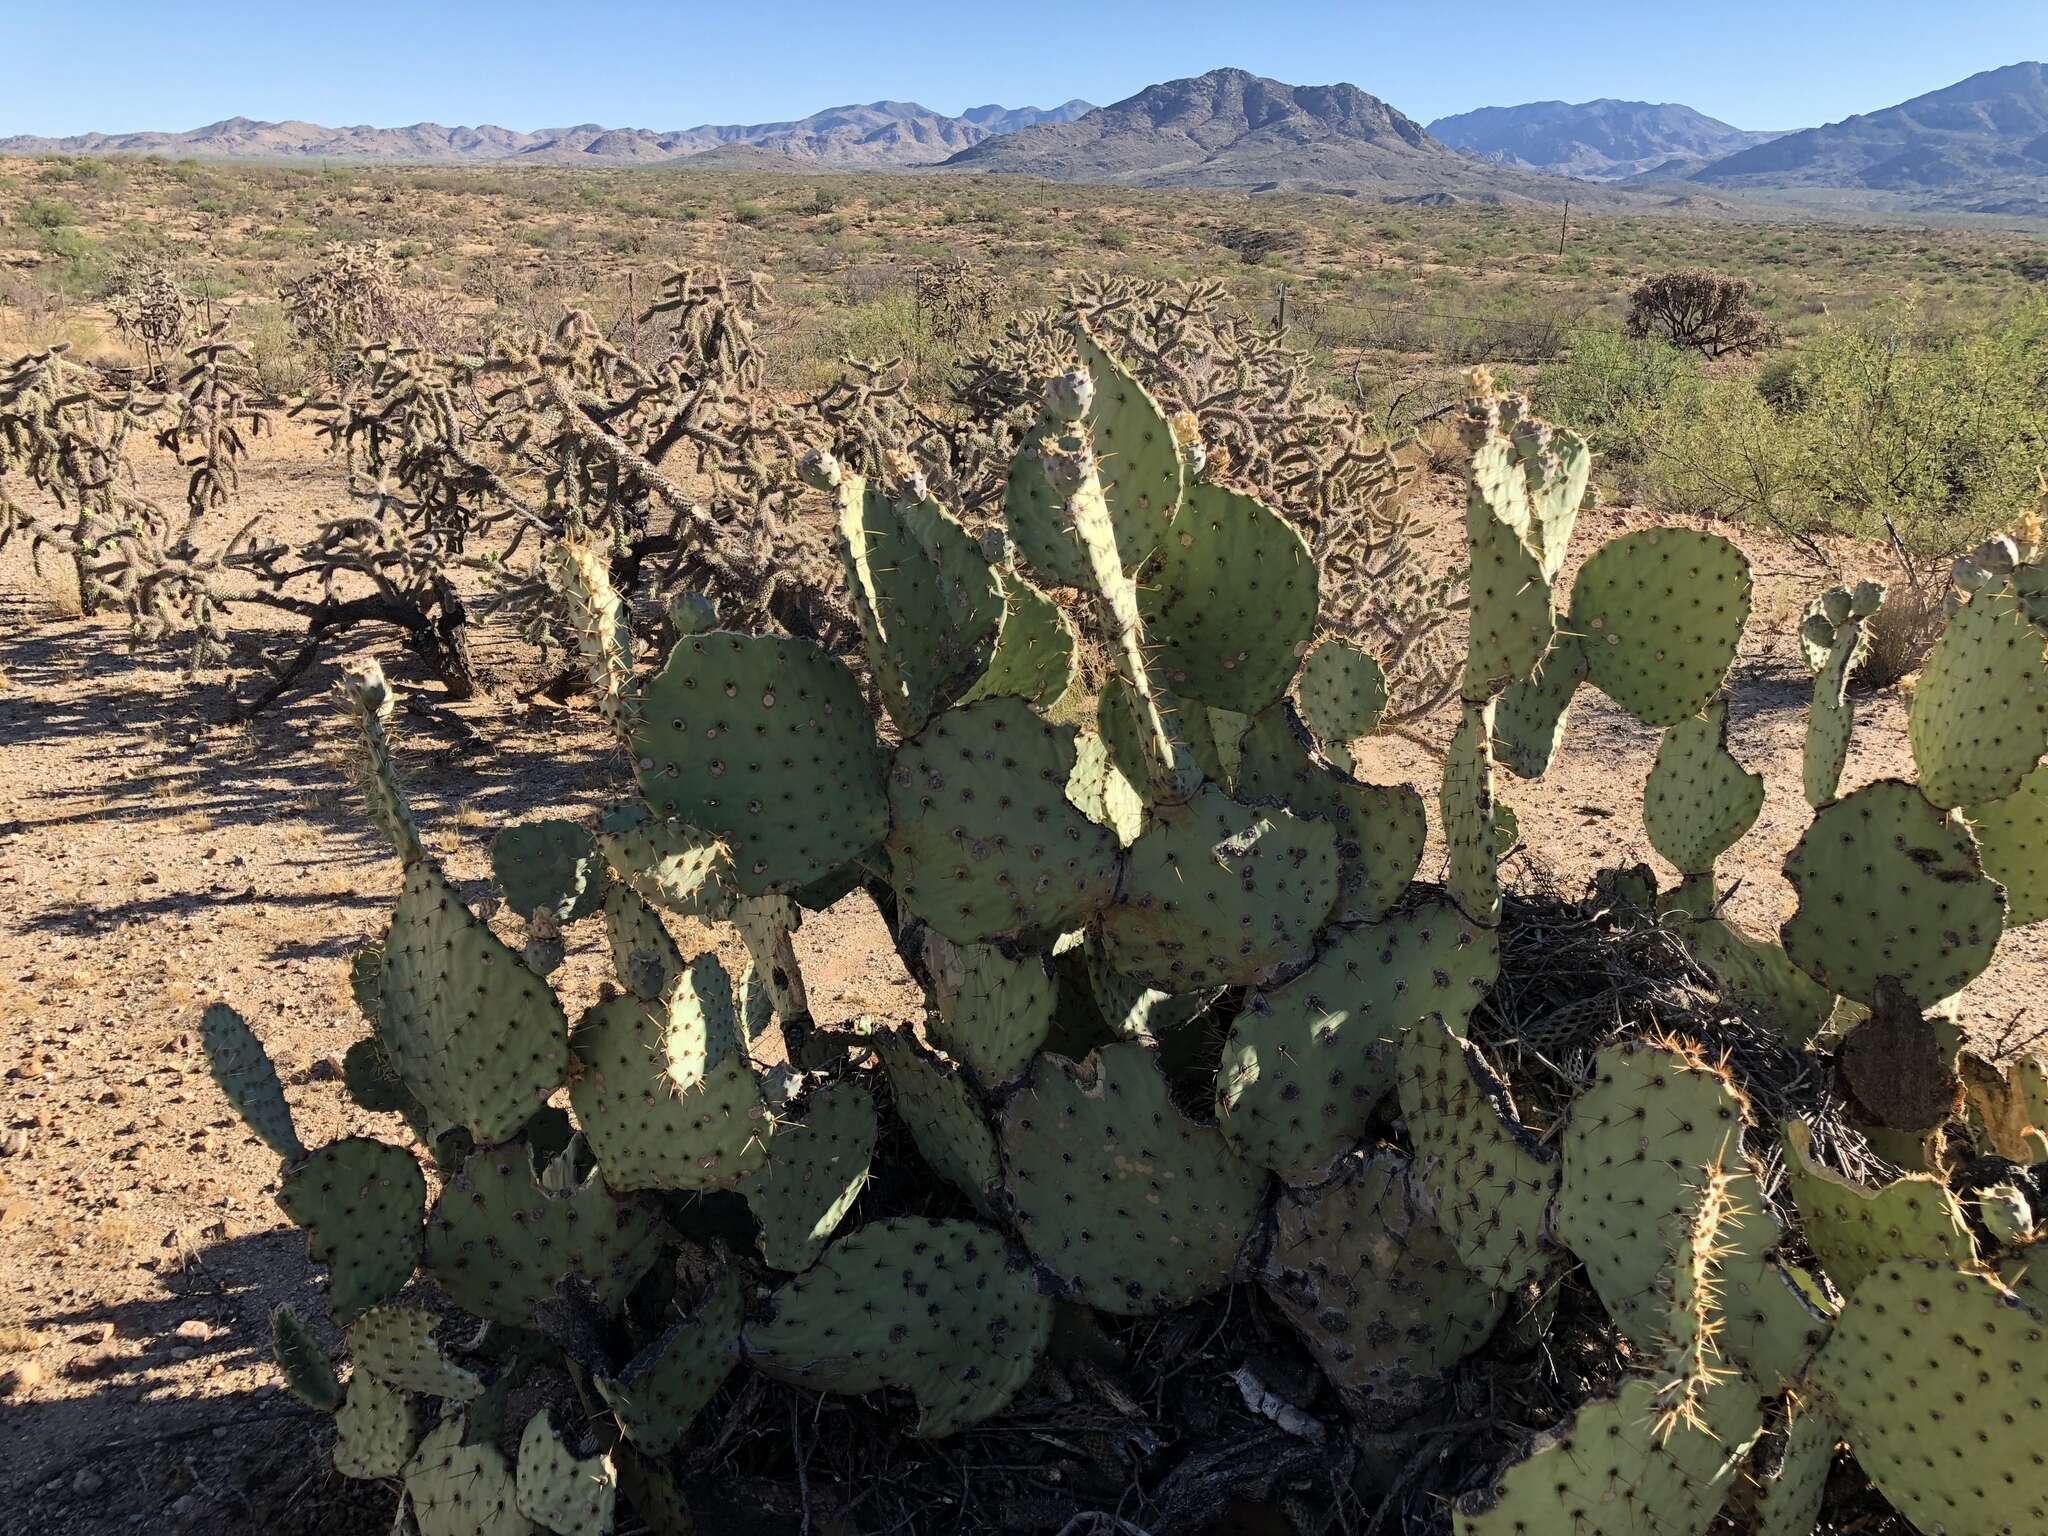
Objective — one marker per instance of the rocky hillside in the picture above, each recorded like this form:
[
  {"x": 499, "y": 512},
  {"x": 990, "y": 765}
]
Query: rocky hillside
[{"x": 1603, "y": 140}]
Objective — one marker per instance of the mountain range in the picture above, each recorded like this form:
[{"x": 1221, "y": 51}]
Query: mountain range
[{"x": 1977, "y": 147}]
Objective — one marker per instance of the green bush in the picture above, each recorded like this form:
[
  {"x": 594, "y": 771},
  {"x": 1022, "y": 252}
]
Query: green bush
[
  {"x": 749, "y": 213},
  {"x": 1609, "y": 386},
  {"x": 47, "y": 213}
]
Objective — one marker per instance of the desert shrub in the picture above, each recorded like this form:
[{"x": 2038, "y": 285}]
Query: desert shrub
[
  {"x": 749, "y": 213},
  {"x": 1901, "y": 633},
  {"x": 47, "y": 213},
  {"x": 1609, "y": 386},
  {"x": 1702, "y": 311}
]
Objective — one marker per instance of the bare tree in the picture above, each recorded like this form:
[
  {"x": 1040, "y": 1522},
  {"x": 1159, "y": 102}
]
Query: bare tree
[{"x": 1701, "y": 310}]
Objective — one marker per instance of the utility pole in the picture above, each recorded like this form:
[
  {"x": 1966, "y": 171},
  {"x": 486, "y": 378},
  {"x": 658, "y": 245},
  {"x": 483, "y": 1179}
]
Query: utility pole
[
  {"x": 1283, "y": 306},
  {"x": 1564, "y": 228}
]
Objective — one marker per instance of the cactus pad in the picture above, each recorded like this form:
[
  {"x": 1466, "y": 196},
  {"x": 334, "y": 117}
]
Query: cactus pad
[
  {"x": 462, "y": 1490},
  {"x": 547, "y": 866},
  {"x": 1936, "y": 1374},
  {"x": 302, "y": 1362},
  {"x": 1101, "y": 790},
  {"x": 2012, "y": 840},
  {"x": 1530, "y": 716},
  {"x": 664, "y": 1387},
  {"x": 499, "y": 1240},
  {"x": 1472, "y": 841},
  {"x": 1980, "y": 710},
  {"x": 242, "y": 1069},
  {"x": 816, "y": 1169},
  {"x": 1373, "y": 1287},
  {"x": 1132, "y": 1010},
  {"x": 396, "y": 1345},
  {"x": 1510, "y": 578},
  {"x": 1034, "y": 656},
  {"x": 477, "y": 1037},
  {"x": 1855, "y": 1231},
  {"x": 1137, "y": 1208},
  {"x": 1489, "y": 1178},
  {"x": 993, "y": 1012},
  {"x": 946, "y": 1310},
  {"x": 1890, "y": 889},
  {"x": 1699, "y": 799},
  {"x": 983, "y": 838},
  {"x": 939, "y": 1110},
  {"x": 1141, "y": 463},
  {"x": 1343, "y": 691},
  {"x": 1833, "y": 718},
  {"x": 1660, "y": 613},
  {"x": 1229, "y": 603},
  {"x": 561, "y": 1492},
  {"x": 1216, "y": 893},
  {"x": 763, "y": 742},
  {"x": 376, "y": 1430},
  {"x": 672, "y": 865},
  {"x": 1759, "y": 973},
  {"x": 667, "y": 1094},
  {"x": 360, "y": 1202},
  {"x": 644, "y": 953},
  {"x": 1306, "y": 1064},
  {"x": 1790, "y": 1502}
]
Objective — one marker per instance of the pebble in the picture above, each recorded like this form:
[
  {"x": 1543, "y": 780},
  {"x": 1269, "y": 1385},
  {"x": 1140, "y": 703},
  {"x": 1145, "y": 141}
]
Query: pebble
[
  {"x": 194, "y": 1329},
  {"x": 325, "y": 1070},
  {"x": 14, "y": 1144},
  {"x": 87, "y": 1483},
  {"x": 21, "y": 1380}
]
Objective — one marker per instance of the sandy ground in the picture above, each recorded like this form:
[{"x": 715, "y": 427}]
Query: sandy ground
[{"x": 153, "y": 860}]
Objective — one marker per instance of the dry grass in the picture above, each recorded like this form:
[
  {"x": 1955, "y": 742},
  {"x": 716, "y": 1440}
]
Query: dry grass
[{"x": 1901, "y": 634}]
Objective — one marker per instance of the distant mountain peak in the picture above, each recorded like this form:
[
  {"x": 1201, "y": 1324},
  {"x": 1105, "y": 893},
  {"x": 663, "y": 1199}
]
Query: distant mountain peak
[{"x": 1606, "y": 139}]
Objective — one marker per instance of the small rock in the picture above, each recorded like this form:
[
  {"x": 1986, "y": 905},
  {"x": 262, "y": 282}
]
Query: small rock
[
  {"x": 14, "y": 1144},
  {"x": 325, "y": 1070},
  {"x": 87, "y": 1483},
  {"x": 21, "y": 1380},
  {"x": 194, "y": 1329}
]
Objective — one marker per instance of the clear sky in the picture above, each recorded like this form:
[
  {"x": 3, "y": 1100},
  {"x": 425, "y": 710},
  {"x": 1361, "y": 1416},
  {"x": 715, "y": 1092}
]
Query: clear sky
[{"x": 69, "y": 66}]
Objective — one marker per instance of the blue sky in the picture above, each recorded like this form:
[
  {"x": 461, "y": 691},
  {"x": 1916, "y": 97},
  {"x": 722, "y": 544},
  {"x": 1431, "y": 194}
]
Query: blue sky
[{"x": 67, "y": 66}]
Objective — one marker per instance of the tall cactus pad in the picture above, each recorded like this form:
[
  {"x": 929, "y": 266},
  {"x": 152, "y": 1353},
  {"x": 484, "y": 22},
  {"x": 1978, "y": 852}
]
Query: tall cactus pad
[
  {"x": 1833, "y": 718},
  {"x": 302, "y": 1362},
  {"x": 397, "y": 1346},
  {"x": 816, "y": 1169},
  {"x": 479, "y": 1039},
  {"x": 1471, "y": 816},
  {"x": 1890, "y": 890},
  {"x": 1758, "y": 973},
  {"x": 1036, "y": 512},
  {"x": 1141, "y": 463},
  {"x": 983, "y": 839},
  {"x": 1936, "y": 1375},
  {"x": 1132, "y": 1010},
  {"x": 1102, "y": 791},
  {"x": 1489, "y": 1177},
  {"x": 360, "y": 1202},
  {"x": 372, "y": 701},
  {"x": 579, "y": 568},
  {"x": 1373, "y": 1287},
  {"x": 940, "y": 1111},
  {"x": 764, "y": 742},
  {"x": 1306, "y": 1065},
  {"x": 1510, "y": 580},
  {"x": 243, "y": 1071},
  {"x": 1980, "y": 709},
  {"x": 670, "y": 864},
  {"x": 1699, "y": 799},
  {"x": 499, "y": 1243},
  {"x": 663, "y": 1388},
  {"x": 462, "y": 1490},
  {"x": 667, "y": 1094},
  {"x": 645, "y": 955},
  {"x": 1530, "y": 716},
  {"x": 1381, "y": 829},
  {"x": 376, "y": 1431},
  {"x": 1343, "y": 693},
  {"x": 1229, "y": 603},
  {"x": 994, "y": 1011},
  {"x": 560, "y": 1492},
  {"x": 1137, "y": 1208},
  {"x": 945, "y": 1310},
  {"x": 1854, "y": 1231},
  {"x": 1612, "y": 1471},
  {"x": 548, "y": 866},
  {"x": 1790, "y": 1502},
  {"x": 1034, "y": 656},
  {"x": 1660, "y": 613},
  {"x": 2012, "y": 840},
  {"x": 929, "y": 605}
]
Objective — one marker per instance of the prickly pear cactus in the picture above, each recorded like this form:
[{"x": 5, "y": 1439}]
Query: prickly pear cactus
[
  {"x": 1659, "y": 613},
  {"x": 560, "y": 1491},
  {"x": 1699, "y": 800},
  {"x": 456, "y": 1489},
  {"x": 994, "y": 1011},
  {"x": 376, "y": 1429},
  {"x": 2012, "y": 841},
  {"x": 941, "y": 1113},
  {"x": 242, "y": 1069},
  {"x": 1853, "y": 1231},
  {"x": 360, "y": 1202},
  {"x": 1980, "y": 710},
  {"x": 548, "y": 866},
  {"x": 816, "y": 1167},
  {"x": 658, "y": 1394},
  {"x": 1344, "y": 693}
]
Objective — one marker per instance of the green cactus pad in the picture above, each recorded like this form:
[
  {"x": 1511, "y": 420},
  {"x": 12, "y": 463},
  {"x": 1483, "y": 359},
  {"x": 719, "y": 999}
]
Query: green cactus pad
[
  {"x": 2012, "y": 840},
  {"x": 670, "y": 864},
  {"x": 242, "y": 1069},
  {"x": 983, "y": 839},
  {"x": 302, "y": 1362},
  {"x": 1134, "y": 1206},
  {"x": 462, "y": 1490},
  {"x": 1100, "y": 790},
  {"x": 1759, "y": 973},
  {"x": 1141, "y": 463},
  {"x": 396, "y": 1345},
  {"x": 1890, "y": 889},
  {"x": 376, "y": 1430},
  {"x": 1699, "y": 799},
  {"x": 1936, "y": 1374},
  {"x": 940, "y": 1111},
  {"x": 1216, "y": 893},
  {"x": 560, "y": 1492},
  {"x": 668, "y": 1095},
  {"x": 1343, "y": 691},
  {"x": 993, "y": 1012},
  {"x": 1034, "y": 657},
  {"x": 1036, "y": 514},
  {"x": 1854, "y": 1231},
  {"x": 1306, "y": 1064},
  {"x": 1660, "y": 613},
  {"x": 945, "y": 1310},
  {"x": 928, "y": 603},
  {"x": 1229, "y": 603},
  {"x": 360, "y": 1202},
  {"x": 645, "y": 955},
  {"x": 1489, "y": 1177},
  {"x": 1611, "y": 1470},
  {"x": 1470, "y": 817},
  {"x": 1790, "y": 1502},
  {"x": 499, "y": 1241},
  {"x": 764, "y": 742},
  {"x": 1378, "y": 1294},
  {"x": 816, "y": 1169},
  {"x": 1833, "y": 718},
  {"x": 1980, "y": 710},
  {"x": 1132, "y": 1010},
  {"x": 1381, "y": 829},
  {"x": 477, "y": 1037},
  {"x": 1530, "y": 716},
  {"x": 1511, "y": 620},
  {"x": 547, "y": 866},
  {"x": 663, "y": 1388}
]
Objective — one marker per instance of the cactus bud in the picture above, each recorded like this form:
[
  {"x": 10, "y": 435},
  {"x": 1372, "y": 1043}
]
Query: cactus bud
[
  {"x": 1068, "y": 397},
  {"x": 1067, "y": 468},
  {"x": 1866, "y": 599},
  {"x": 1997, "y": 555},
  {"x": 819, "y": 470},
  {"x": 692, "y": 613},
  {"x": 1835, "y": 604},
  {"x": 2007, "y": 1215},
  {"x": 1817, "y": 632},
  {"x": 1969, "y": 574}
]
